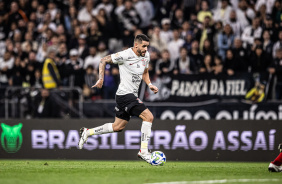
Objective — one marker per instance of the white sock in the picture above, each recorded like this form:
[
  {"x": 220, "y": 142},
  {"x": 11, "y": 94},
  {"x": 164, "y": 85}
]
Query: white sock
[
  {"x": 106, "y": 128},
  {"x": 145, "y": 135}
]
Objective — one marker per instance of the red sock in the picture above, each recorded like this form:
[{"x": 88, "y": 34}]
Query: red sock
[{"x": 278, "y": 160}]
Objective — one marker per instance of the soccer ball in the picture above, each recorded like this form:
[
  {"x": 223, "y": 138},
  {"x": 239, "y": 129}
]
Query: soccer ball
[{"x": 158, "y": 158}]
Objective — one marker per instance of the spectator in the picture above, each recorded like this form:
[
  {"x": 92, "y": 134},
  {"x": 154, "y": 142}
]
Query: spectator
[
  {"x": 16, "y": 14},
  {"x": 45, "y": 106},
  {"x": 190, "y": 7},
  {"x": 92, "y": 59},
  {"x": 188, "y": 41},
  {"x": 252, "y": 32},
  {"x": 195, "y": 56},
  {"x": 178, "y": 19},
  {"x": 183, "y": 64},
  {"x": 85, "y": 14},
  {"x": 47, "y": 23},
  {"x": 276, "y": 13},
  {"x": 75, "y": 64},
  {"x": 6, "y": 64},
  {"x": 95, "y": 36},
  {"x": 208, "y": 49},
  {"x": 236, "y": 24},
  {"x": 230, "y": 63},
  {"x": 109, "y": 86},
  {"x": 131, "y": 21},
  {"x": 174, "y": 46},
  {"x": 222, "y": 13},
  {"x": 62, "y": 54},
  {"x": 52, "y": 9},
  {"x": 269, "y": 26},
  {"x": 105, "y": 5},
  {"x": 166, "y": 33},
  {"x": 277, "y": 44},
  {"x": 276, "y": 69},
  {"x": 240, "y": 56},
  {"x": 154, "y": 56},
  {"x": 258, "y": 60},
  {"x": 225, "y": 40},
  {"x": 208, "y": 64},
  {"x": 245, "y": 13},
  {"x": 82, "y": 46},
  {"x": 102, "y": 50},
  {"x": 205, "y": 32},
  {"x": 164, "y": 66},
  {"x": 40, "y": 13},
  {"x": 157, "y": 41},
  {"x": 37, "y": 79},
  {"x": 267, "y": 44},
  {"x": 145, "y": 9},
  {"x": 90, "y": 78},
  {"x": 205, "y": 11},
  {"x": 268, "y": 3},
  {"x": 185, "y": 30},
  {"x": 50, "y": 72},
  {"x": 218, "y": 66}
]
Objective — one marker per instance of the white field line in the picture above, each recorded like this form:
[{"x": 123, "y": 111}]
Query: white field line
[{"x": 218, "y": 181}]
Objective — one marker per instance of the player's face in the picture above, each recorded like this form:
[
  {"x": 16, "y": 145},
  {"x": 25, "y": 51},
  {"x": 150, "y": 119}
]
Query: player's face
[{"x": 142, "y": 48}]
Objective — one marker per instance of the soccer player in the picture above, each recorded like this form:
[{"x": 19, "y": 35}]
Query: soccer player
[
  {"x": 133, "y": 66},
  {"x": 275, "y": 166}
]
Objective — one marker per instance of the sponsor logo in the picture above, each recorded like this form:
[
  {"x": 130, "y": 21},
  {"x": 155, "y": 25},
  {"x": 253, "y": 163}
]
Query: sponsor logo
[
  {"x": 99, "y": 129},
  {"x": 133, "y": 63},
  {"x": 178, "y": 139},
  {"x": 11, "y": 137},
  {"x": 119, "y": 58},
  {"x": 138, "y": 66},
  {"x": 136, "y": 78},
  {"x": 130, "y": 57},
  {"x": 251, "y": 114}
]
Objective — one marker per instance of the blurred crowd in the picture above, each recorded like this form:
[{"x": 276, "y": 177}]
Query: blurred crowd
[{"x": 187, "y": 37}]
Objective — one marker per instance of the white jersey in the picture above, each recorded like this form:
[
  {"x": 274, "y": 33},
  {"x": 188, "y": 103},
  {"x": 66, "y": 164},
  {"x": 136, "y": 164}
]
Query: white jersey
[{"x": 131, "y": 69}]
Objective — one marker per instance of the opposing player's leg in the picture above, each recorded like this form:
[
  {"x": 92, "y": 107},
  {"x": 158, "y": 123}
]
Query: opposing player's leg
[
  {"x": 275, "y": 166},
  {"x": 146, "y": 127},
  {"x": 117, "y": 126}
]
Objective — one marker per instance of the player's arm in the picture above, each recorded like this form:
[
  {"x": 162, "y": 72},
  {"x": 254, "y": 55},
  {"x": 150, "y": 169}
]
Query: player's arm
[
  {"x": 146, "y": 79},
  {"x": 103, "y": 62}
]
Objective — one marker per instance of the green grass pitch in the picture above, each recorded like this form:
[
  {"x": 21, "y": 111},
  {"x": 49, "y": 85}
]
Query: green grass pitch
[{"x": 132, "y": 172}]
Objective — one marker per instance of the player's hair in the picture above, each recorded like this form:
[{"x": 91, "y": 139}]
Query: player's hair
[{"x": 141, "y": 37}]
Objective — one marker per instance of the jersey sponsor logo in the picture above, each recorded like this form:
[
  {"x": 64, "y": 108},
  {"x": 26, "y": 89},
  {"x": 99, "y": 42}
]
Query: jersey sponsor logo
[
  {"x": 130, "y": 57},
  {"x": 133, "y": 63},
  {"x": 136, "y": 78},
  {"x": 119, "y": 58},
  {"x": 138, "y": 66}
]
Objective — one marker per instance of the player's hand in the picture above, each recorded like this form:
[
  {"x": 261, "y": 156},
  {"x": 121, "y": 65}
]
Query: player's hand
[
  {"x": 154, "y": 88},
  {"x": 98, "y": 84}
]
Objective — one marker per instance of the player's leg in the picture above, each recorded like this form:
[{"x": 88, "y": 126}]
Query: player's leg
[
  {"x": 275, "y": 166},
  {"x": 146, "y": 127},
  {"x": 117, "y": 126}
]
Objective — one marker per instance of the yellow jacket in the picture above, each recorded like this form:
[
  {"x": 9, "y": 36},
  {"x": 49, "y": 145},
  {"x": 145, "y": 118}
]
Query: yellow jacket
[{"x": 48, "y": 80}]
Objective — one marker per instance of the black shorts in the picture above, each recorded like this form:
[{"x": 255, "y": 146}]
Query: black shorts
[{"x": 128, "y": 105}]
